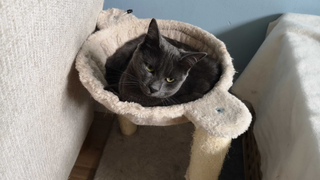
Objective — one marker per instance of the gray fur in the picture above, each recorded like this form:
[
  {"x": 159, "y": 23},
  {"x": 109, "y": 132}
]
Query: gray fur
[{"x": 194, "y": 74}]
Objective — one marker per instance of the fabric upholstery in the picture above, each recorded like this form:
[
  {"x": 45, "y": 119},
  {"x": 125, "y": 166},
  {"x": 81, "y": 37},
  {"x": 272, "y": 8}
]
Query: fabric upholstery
[
  {"x": 282, "y": 82},
  {"x": 45, "y": 112}
]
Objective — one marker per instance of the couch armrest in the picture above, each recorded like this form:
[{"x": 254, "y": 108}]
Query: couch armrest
[{"x": 45, "y": 112}]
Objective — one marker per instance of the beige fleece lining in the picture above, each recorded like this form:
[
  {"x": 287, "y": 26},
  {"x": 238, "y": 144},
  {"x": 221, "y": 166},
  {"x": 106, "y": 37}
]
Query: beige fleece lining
[{"x": 230, "y": 123}]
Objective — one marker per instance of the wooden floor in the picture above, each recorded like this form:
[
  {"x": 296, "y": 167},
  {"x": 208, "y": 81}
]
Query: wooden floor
[{"x": 92, "y": 148}]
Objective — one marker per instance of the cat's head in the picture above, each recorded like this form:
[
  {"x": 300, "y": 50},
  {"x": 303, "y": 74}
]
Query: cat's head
[{"x": 161, "y": 67}]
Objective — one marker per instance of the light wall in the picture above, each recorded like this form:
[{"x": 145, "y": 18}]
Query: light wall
[{"x": 241, "y": 24}]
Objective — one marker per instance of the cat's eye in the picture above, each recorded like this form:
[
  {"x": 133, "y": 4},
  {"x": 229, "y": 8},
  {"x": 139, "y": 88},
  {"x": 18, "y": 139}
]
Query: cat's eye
[
  {"x": 169, "y": 80},
  {"x": 149, "y": 68}
]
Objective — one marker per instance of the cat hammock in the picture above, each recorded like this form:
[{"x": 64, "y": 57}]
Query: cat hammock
[{"x": 218, "y": 116}]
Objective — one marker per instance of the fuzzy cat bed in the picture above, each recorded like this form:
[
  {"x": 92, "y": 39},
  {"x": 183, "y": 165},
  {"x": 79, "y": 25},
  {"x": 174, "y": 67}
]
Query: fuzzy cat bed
[{"x": 218, "y": 116}]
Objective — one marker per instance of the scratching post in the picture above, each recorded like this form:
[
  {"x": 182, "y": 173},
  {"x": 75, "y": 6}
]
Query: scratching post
[
  {"x": 126, "y": 126},
  {"x": 207, "y": 156},
  {"x": 218, "y": 116}
]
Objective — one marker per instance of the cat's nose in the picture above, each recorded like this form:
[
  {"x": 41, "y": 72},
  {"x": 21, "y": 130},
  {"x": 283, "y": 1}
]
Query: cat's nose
[{"x": 152, "y": 90}]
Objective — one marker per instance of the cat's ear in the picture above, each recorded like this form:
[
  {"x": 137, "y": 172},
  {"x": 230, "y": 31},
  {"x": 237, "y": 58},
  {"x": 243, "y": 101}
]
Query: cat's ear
[
  {"x": 189, "y": 59},
  {"x": 153, "y": 36}
]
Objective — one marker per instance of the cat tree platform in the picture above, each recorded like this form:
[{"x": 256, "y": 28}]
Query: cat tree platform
[{"x": 218, "y": 116}]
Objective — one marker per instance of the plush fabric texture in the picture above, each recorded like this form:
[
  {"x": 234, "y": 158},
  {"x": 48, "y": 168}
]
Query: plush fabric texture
[
  {"x": 45, "y": 112},
  {"x": 157, "y": 153},
  {"x": 282, "y": 82},
  {"x": 233, "y": 118},
  {"x": 208, "y": 154}
]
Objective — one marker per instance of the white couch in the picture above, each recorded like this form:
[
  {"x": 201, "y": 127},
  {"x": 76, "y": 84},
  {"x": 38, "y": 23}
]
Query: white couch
[
  {"x": 45, "y": 112},
  {"x": 282, "y": 82}
]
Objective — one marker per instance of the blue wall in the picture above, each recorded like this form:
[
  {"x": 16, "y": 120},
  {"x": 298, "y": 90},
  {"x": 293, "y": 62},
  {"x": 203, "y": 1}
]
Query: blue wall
[{"x": 241, "y": 24}]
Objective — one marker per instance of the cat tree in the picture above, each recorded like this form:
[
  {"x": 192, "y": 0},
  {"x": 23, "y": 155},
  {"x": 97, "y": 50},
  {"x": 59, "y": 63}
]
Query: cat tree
[{"x": 218, "y": 116}]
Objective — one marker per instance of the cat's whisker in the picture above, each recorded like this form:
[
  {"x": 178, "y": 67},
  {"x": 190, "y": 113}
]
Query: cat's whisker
[
  {"x": 164, "y": 102},
  {"x": 121, "y": 72},
  {"x": 136, "y": 79},
  {"x": 172, "y": 100},
  {"x": 133, "y": 79},
  {"x": 168, "y": 101},
  {"x": 127, "y": 83},
  {"x": 164, "y": 99},
  {"x": 175, "y": 99},
  {"x": 130, "y": 75}
]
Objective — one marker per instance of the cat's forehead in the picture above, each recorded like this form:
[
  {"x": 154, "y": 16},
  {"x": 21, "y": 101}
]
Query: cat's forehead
[
  {"x": 169, "y": 66},
  {"x": 165, "y": 65},
  {"x": 165, "y": 57}
]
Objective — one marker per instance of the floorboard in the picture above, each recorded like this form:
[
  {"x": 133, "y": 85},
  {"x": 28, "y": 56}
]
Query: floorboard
[{"x": 92, "y": 148}]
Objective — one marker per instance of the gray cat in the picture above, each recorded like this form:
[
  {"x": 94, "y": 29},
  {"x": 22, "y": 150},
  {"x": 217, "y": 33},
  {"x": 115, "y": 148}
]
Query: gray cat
[{"x": 154, "y": 70}]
